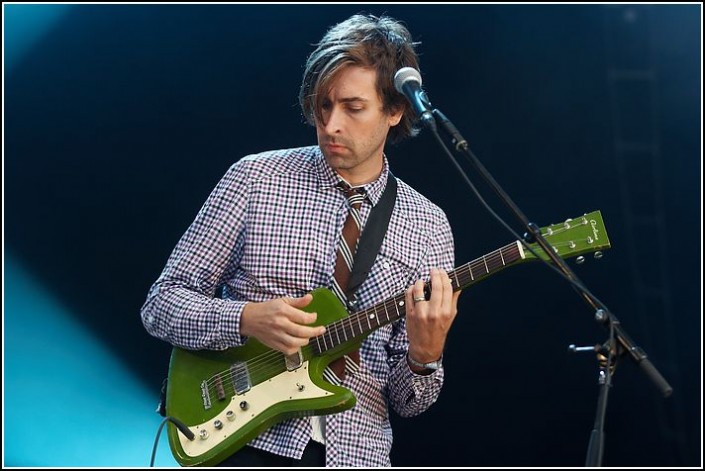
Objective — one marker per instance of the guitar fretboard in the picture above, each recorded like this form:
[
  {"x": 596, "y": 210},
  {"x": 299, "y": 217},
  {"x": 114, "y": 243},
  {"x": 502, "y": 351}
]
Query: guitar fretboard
[{"x": 363, "y": 322}]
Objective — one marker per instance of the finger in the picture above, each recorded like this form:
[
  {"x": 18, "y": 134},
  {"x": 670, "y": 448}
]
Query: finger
[
  {"x": 409, "y": 299},
  {"x": 299, "y": 324},
  {"x": 454, "y": 302},
  {"x": 418, "y": 292},
  {"x": 290, "y": 345},
  {"x": 301, "y": 302},
  {"x": 436, "y": 290},
  {"x": 304, "y": 333},
  {"x": 298, "y": 316},
  {"x": 446, "y": 301}
]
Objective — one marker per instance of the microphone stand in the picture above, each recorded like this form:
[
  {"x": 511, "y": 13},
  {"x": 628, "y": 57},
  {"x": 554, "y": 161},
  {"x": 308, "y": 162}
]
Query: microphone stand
[{"x": 618, "y": 343}]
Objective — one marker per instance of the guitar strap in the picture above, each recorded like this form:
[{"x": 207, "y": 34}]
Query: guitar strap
[{"x": 372, "y": 236}]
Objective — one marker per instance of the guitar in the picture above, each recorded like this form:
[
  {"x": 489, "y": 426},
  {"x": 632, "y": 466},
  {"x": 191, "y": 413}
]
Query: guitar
[{"x": 226, "y": 398}]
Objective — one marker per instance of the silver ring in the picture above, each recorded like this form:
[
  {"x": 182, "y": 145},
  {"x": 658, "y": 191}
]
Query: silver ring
[{"x": 418, "y": 299}]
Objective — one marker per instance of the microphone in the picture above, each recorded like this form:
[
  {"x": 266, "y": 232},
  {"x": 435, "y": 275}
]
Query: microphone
[{"x": 407, "y": 81}]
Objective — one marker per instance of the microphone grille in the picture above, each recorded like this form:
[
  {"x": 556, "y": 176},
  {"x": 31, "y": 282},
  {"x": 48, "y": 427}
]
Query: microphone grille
[{"x": 404, "y": 74}]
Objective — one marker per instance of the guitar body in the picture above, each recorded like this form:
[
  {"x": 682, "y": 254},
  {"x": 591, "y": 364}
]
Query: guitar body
[{"x": 273, "y": 395}]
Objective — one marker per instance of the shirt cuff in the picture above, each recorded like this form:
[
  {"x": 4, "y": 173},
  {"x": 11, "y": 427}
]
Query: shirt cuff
[{"x": 230, "y": 316}]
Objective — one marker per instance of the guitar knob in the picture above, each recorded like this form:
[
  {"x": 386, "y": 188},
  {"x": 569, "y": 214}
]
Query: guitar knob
[
  {"x": 244, "y": 405},
  {"x": 203, "y": 434},
  {"x": 218, "y": 424},
  {"x": 230, "y": 415}
]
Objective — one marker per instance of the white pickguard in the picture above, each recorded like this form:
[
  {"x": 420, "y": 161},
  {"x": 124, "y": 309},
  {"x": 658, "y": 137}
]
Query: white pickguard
[{"x": 289, "y": 385}]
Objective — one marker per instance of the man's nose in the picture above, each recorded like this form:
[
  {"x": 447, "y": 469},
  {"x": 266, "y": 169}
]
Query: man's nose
[{"x": 334, "y": 121}]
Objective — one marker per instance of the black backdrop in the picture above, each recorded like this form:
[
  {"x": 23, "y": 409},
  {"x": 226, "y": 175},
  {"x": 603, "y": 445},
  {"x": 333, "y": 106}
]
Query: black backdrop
[{"x": 122, "y": 118}]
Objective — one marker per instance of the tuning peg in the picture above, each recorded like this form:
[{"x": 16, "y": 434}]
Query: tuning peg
[{"x": 598, "y": 255}]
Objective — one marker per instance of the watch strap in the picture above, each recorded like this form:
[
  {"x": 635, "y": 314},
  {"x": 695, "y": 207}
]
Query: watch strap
[{"x": 433, "y": 365}]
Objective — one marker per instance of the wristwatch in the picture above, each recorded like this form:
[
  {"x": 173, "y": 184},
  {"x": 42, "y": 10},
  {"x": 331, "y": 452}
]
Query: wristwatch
[{"x": 434, "y": 365}]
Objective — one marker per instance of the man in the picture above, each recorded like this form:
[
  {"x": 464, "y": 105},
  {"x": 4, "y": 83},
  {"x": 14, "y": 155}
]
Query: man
[{"x": 270, "y": 233}]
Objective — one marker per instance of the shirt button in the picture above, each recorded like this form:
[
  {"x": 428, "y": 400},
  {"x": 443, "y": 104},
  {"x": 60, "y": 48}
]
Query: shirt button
[{"x": 385, "y": 264}]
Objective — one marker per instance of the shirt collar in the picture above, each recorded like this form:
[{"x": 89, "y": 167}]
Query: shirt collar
[{"x": 329, "y": 178}]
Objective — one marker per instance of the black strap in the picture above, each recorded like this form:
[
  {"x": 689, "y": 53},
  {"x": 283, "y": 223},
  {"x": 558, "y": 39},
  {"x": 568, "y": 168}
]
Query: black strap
[{"x": 372, "y": 236}]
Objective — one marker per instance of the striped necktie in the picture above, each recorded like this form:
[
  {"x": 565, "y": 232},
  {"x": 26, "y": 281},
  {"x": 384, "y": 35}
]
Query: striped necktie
[{"x": 347, "y": 246}]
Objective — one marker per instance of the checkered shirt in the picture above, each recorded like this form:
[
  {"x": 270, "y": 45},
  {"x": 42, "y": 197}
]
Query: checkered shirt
[{"x": 270, "y": 229}]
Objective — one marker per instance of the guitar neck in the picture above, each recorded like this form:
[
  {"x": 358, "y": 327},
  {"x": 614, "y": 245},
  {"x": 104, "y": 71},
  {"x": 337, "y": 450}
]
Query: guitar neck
[{"x": 363, "y": 322}]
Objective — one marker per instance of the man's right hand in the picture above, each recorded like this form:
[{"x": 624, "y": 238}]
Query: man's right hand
[{"x": 280, "y": 323}]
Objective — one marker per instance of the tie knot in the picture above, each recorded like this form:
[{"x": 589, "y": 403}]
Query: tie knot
[{"x": 354, "y": 195}]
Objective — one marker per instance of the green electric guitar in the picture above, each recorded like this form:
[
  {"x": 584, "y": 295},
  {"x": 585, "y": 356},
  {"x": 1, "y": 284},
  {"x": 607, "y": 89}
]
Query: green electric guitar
[{"x": 226, "y": 398}]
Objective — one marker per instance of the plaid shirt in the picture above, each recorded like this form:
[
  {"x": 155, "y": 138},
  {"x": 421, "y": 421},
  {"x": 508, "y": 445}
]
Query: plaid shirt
[{"x": 270, "y": 229}]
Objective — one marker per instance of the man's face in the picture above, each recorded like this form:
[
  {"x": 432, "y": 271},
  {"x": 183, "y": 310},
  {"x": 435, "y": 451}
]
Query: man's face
[{"x": 354, "y": 127}]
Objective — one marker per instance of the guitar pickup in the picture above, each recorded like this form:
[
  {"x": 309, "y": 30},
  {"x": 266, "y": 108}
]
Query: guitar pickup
[
  {"x": 240, "y": 377},
  {"x": 294, "y": 361}
]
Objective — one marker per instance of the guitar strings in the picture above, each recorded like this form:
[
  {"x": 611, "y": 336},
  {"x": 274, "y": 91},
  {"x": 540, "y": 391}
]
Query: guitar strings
[
  {"x": 275, "y": 361},
  {"x": 272, "y": 360}
]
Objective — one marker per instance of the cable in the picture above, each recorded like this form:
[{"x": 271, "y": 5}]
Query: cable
[
  {"x": 156, "y": 441},
  {"x": 182, "y": 428}
]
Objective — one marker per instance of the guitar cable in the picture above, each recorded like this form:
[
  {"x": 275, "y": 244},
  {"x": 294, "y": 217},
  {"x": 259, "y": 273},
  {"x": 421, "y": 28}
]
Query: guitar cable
[{"x": 182, "y": 428}]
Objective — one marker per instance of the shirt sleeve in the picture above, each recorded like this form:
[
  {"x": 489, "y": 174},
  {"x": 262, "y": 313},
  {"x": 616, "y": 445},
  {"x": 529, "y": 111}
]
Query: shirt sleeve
[
  {"x": 410, "y": 393},
  {"x": 182, "y": 307}
]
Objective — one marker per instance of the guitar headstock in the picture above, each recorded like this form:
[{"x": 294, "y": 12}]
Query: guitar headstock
[{"x": 574, "y": 237}]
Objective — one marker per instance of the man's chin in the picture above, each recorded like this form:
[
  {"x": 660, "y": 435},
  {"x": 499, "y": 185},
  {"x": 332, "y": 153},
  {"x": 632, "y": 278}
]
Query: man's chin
[{"x": 336, "y": 160}]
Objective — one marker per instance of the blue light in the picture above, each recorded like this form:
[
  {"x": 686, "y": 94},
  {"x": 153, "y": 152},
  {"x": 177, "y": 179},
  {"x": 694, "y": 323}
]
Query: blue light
[{"x": 67, "y": 401}]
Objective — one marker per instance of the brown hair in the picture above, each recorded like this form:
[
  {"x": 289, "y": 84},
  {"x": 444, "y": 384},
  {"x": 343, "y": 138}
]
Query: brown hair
[{"x": 380, "y": 43}]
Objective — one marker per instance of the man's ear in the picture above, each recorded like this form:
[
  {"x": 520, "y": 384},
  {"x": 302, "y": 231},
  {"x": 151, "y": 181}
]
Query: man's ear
[{"x": 395, "y": 116}]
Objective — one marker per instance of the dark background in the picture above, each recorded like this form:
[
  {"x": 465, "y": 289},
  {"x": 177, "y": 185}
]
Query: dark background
[{"x": 121, "y": 119}]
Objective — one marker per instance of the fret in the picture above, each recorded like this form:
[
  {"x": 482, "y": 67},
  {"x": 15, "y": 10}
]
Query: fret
[
  {"x": 318, "y": 344},
  {"x": 386, "y": 311},
  {"x": 486, "y": 268},
  {"x": 494, "y": 262},
  {"x": 337, "y": 334},
  {"x": 373, "y": 316},
  {"x": 327, "y": 332},
  {"x": 346, "y": 323},
  {"x": 472, "y": 277},
  {"x": 457, "y": 281},
  {"x": 500, "y": 254},
  {"x": 357, "y": 316},
  {"x": 397, "y": 303},
  {"x": 375, "y": 308}
]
